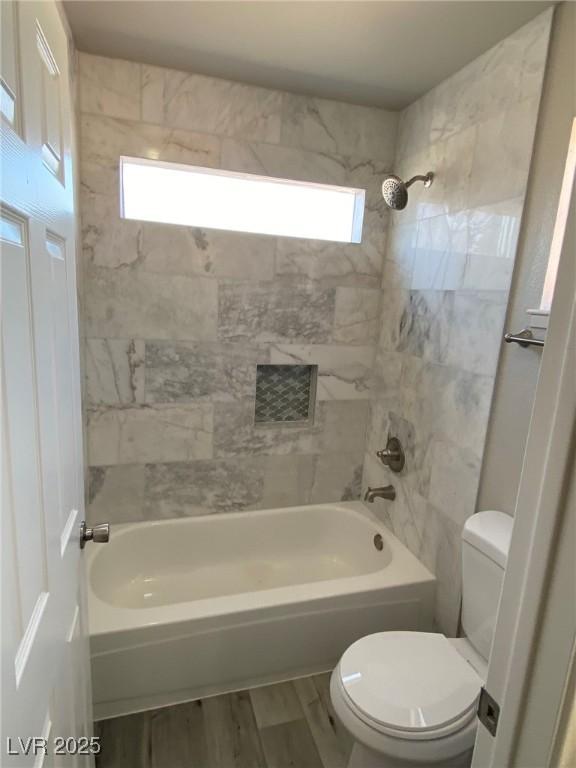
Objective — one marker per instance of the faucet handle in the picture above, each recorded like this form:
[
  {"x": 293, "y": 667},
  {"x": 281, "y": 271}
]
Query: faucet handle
[{"x": 393, "y": 455}]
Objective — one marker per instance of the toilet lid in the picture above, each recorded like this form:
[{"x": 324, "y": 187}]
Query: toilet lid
[{"x": 410, "y": 682}]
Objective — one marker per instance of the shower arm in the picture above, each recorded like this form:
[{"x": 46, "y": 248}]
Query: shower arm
[{"x": 427, "y": 179}]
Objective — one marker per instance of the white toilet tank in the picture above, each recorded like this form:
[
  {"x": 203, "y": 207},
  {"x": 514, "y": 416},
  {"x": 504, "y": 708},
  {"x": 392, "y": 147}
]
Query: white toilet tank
[{"x": 485, "y": 544}]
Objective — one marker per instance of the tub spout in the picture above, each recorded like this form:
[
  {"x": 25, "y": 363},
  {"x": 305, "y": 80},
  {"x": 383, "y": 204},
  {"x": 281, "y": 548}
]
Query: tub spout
[{"x": 386, "y": 492}]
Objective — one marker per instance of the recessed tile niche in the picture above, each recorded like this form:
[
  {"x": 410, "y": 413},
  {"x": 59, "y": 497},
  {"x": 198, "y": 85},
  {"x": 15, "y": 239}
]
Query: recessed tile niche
[{"x": 285, "y": 394}]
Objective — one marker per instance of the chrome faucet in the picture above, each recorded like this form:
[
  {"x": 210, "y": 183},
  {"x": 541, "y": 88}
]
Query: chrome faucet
[{"x": 386, "y": 492}]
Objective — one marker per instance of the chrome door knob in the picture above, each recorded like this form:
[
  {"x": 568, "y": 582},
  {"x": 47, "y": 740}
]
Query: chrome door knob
[{"x": 98, "y": 533}]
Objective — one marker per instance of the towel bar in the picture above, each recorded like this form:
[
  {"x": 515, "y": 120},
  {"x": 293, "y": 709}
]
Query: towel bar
[{"x": 525, "y": 338}]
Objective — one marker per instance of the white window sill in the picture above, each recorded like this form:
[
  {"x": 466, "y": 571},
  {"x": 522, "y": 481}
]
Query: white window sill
[{"x": 538, "y": 318}]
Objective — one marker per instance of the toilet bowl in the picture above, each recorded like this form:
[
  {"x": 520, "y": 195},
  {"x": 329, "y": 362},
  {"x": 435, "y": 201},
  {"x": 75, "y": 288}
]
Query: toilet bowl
[{"x": 410, "y": 698}]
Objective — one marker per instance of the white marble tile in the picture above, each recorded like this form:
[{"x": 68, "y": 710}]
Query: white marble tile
[
  {"x": 334, "y": 127},
  {"x": 338, "y": 477},
  {"x": 236, "y": 434},
  {"x": 282, "y": 310},
  {"x": 422, "y": 201},
  {"x": 454, "y": 478},
  {"x": 438, "y": 345},
  {"x": 448, "y": 574},
  {"x": 288, "y": 480},
  {"x": 104, "y": 139},
  {"x": 395, "y": 314},
  {"x": 491, "y": 83},
  {"x": 149, "y": 434},
  {"x": 461, "y": 402},
  {"x": 400, "y": 252},
  {"x": 405, "y": 514},
  {"x": 414, "y": 127},
  {"x": 373, "y": 475},
  {"x": 429, "y": 538},
  {"x": 488, "y": 273},
  {"x": 356, "y": 316},
  {"x": 116, "y": 494},
  {"x": 440, "y": 253},
  {"x": 107, "y": 239},
  {"x": 461, "y": 405},
  {"x": 387, "y": 373},
  {"x": 375, "y": 232},
  {"x": 221, "y": 107},
  {"x": 109, "y": 86},
  {"x": 536, "y": 37},
  {"x": 426, "y": 324},
  {"x": 516, "y": 64},
  {"x": 344, "y": 372},
  {"x": 408, "y": 514},
  {"x": 493, "y": 238},
  {"x": 180, "y": 489},
  {"x": 171, "y": 249},
  {"x": 344, "y": 425},
  {"x": 181, "y": 371},
  {"x": 456, "y": 103},
  {"x": 367, "y": 174},
  {"x": 502, "y": 155},
  {"x": 334, "y": 263},
  {"x": 378, "y": 424},
  {"x": 475, "y": 336},
  {"x": 129, "y": 303},
  {"x": 114, "y": 371},
  {"x": 152, "y": 94},
  {"x": 451, "y": 162},
  {"x": 282, "y": 162},
  {"x": 395, "y": 305}
]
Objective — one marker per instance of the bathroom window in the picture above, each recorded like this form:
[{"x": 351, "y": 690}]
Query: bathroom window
[{"x": 171, "y": 193}]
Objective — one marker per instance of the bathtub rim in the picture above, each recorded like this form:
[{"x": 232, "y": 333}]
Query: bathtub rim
[{"x": 105, "y": 619}]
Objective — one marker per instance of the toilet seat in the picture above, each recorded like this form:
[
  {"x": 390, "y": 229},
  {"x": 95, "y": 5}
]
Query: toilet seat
[{"x": 409, "y": 685}]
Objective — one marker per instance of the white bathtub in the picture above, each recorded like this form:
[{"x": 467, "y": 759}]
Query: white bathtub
[{"x": 181, "y": 609}]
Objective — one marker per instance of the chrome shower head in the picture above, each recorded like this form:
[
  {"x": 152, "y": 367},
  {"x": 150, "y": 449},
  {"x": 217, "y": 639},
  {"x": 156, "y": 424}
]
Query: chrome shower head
[{"x": 395, "y": 191}]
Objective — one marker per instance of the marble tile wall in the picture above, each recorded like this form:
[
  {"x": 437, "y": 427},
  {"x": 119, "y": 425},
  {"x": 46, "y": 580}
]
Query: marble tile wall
[
  {"x": 446, "y": 277},
  {"x": 176, "y": 319}
]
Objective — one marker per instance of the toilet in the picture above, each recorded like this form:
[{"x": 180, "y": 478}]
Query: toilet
[{"x": 410, "y": 698}]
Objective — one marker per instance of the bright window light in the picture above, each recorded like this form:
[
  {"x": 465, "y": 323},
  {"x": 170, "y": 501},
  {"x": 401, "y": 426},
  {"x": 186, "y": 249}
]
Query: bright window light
[
  {"x": 560, "y": 224},
  {"x": 151, "y": 190}
]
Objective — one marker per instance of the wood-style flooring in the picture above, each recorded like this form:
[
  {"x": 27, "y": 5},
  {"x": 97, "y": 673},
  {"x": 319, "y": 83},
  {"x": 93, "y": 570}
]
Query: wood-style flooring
[{"x": 288, "y": 725}]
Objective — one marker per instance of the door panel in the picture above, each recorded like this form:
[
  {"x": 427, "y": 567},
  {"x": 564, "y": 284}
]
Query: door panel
[
  {"x": 45, "y": 675},
  {"x": 21, "y": 428},
  {"x": 9, "y": 78}
]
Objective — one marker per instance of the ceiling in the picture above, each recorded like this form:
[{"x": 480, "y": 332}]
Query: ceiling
[{"x": 384, "y": 54}]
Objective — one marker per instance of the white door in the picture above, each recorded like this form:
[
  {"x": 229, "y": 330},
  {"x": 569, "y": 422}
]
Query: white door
[
  {"x": 44, "y": 661},
  {"x": 535, "y": 639}
]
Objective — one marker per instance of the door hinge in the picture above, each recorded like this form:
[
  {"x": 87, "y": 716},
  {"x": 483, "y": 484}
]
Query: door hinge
[{"x": 488, "y": 711}]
